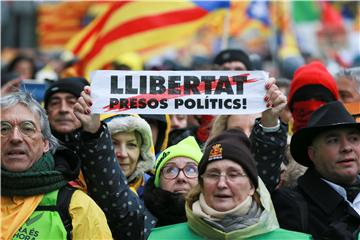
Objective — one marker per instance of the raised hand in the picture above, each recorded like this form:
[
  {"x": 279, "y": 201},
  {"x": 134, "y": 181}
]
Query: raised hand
[
  {"x": 82, "y": 110},
  {"x": 276, "y": 102},
  {"x": 11, "y": 86}
]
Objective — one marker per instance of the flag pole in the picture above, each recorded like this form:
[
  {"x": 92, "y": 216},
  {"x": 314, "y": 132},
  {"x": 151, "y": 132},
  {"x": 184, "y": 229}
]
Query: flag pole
[{"x": 226, "y": 26}]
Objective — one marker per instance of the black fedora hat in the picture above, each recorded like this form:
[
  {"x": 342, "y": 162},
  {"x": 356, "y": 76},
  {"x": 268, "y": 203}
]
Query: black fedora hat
[{"x": 329, "y": 116}]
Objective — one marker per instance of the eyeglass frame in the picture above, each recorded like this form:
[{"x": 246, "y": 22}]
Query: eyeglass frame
[
  {"x": 20, "y": 129},
  {"x": 216, "y": 179},
  {"x": 180, "y": 170}
]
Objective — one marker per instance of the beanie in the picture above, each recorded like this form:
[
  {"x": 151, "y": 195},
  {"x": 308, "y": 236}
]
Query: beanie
[
  {"x": 232, "y": 145},
  {"x": 231, "y": 55},
  {"x": 314, "y": 73},
  {"x": 73, "y": 85},
  {"x": 187, "y": 147}
]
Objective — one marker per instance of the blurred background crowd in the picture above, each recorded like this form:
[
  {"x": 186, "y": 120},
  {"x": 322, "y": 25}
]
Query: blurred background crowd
[{"x": 47, "y": 40}]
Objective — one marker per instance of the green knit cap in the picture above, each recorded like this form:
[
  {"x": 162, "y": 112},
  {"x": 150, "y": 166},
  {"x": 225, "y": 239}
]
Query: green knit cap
[{"x": 188, "y": 147}]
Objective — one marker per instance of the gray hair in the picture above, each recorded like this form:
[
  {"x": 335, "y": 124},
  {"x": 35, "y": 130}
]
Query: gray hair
[
  {"x": 28, "y": 101},
  {"x": 353, "y": 74}
]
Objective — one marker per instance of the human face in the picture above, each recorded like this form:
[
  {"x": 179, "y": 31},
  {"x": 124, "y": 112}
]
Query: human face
[
  {"x": 61, "y": 112},
  {"x": 20, "y": 151},
  {"x": 127, "y": 151},
  {"x": 349, "y": 90},
  {"x": 225, "y": 194},
  {"x": 182, "y": 183},
  {"x": 25, "y": 69},
  {"x": 336, "y": 155},
  {"x": 234, "y": 66},
  {"x": 178, "y": 121},
  {"x": 244, "y": 122}
]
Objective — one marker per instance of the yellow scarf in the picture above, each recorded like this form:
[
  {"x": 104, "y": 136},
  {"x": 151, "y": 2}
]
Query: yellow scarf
[
  {"x": 15, "y": 211},
  {"x": 136, "y": 183}
]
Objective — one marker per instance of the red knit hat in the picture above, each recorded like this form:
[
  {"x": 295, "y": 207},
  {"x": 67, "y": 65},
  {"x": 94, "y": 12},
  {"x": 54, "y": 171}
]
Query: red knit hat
[{"x": 314, "y": 73}]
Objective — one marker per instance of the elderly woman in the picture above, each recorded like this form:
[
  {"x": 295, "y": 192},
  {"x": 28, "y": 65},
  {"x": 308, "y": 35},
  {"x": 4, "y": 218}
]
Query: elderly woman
[
  {"x": 231, "y": 201},
  {"x": 266, "y": 141},
  {"x": 176, "y": 173}
]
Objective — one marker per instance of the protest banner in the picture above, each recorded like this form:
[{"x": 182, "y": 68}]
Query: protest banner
[{"x": 178, "y": 92}]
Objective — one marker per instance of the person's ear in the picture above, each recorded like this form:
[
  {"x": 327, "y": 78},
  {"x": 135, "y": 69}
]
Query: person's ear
[
  {"x": 311, "y": 153},
  {"x": 46, "y": 146},
  {"x": 252, "y": 190}
]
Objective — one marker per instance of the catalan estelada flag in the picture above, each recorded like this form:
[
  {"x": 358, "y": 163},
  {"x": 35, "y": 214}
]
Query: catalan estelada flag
[
  {"x": 130, "y": 26},
  {"x": 287, "y": 45}
]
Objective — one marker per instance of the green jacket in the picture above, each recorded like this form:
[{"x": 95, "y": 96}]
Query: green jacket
[
  {"x": 43, "y": 224},
  {"x": 196, "y": 228},
  {"x": 182, "y": 231}
]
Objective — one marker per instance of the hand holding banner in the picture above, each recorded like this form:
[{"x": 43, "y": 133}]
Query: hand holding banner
[{"x": 178, "y": 92}]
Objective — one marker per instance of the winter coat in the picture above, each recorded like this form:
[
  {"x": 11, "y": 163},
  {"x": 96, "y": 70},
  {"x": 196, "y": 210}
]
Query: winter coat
[
  {"x": 108, "y": 186},
  {"x": 268, "y": 149},
  {"x": 22, "y": 221},
  {"x": 196, "y": 228},
  {"x": 316, "y": 208}
]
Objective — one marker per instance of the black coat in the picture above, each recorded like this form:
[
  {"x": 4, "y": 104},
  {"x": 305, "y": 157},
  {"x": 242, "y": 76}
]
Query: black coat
[{"x": 316, "y": 208}]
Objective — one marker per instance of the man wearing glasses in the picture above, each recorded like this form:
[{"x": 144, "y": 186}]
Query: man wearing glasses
[{"x": 32, "y": 181}]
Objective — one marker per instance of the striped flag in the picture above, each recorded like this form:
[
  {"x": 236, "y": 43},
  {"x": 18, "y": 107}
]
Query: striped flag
[
  {"x": 130, "y": 26},
  {"x": 286, "y": 40},
  {"x": 58, "y": 22},
  {"x": 249, "y": 16}
]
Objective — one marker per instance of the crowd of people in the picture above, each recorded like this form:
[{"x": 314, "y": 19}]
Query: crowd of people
[{"x": 289, "y": 172}]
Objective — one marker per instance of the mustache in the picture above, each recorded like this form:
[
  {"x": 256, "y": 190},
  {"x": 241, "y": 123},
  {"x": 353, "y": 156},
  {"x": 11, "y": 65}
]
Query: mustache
[{"x": 63, "y": 118}]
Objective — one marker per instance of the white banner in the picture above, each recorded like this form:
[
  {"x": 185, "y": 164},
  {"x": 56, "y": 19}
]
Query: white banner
[{"x": 178, "y": 92}]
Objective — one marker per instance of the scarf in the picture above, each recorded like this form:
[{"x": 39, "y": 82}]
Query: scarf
[
  {"x": 167, "y": 207},
  {"x": 41, "y": 178},
  {"x": 245, "y": 214},
  {"x": 15, "y": 211},
  {"x": 302, "y": 111}
]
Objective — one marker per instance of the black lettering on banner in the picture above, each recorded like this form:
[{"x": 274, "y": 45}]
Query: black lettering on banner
[
  {"x": 236, "y": 104},
  {"x": 142, "y": 103},
  {"x": 208, "y": 80},
  {"x": 128, "y": 85},
  {"x": 190, "y": 103},
  {"x": 157, "y": 85},
  {"x": 174, "y": 85},
  {"x": 114, "y": 86},
  {"x": 213, "y": 103},
  {"x": 152, "y": 103},
  {"x": 228, "y": 103},
  {"x": 133, "y": 103},
  {"x": 239, "y": 80},
  {"x": 143, "y": 84},
  {"x": 191, "y": 84},
  {"x": 244, "y": 103},
  {"x": 220, "y": 106},
  {"x": 199, "y": 104},
  {"x": 123, "y": 103},
  {"x": 223, "y": 85},
  {"x": 113, "y": 102},
  {"x": 207, "y": 103},
  {"x": 163, "y": 103},
  {"x": 178, "y": 102}
]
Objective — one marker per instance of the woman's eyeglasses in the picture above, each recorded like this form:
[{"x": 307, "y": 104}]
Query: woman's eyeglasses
[
  {"x": 214, "y": 177},
  {"x": 171, "y": 172}
]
